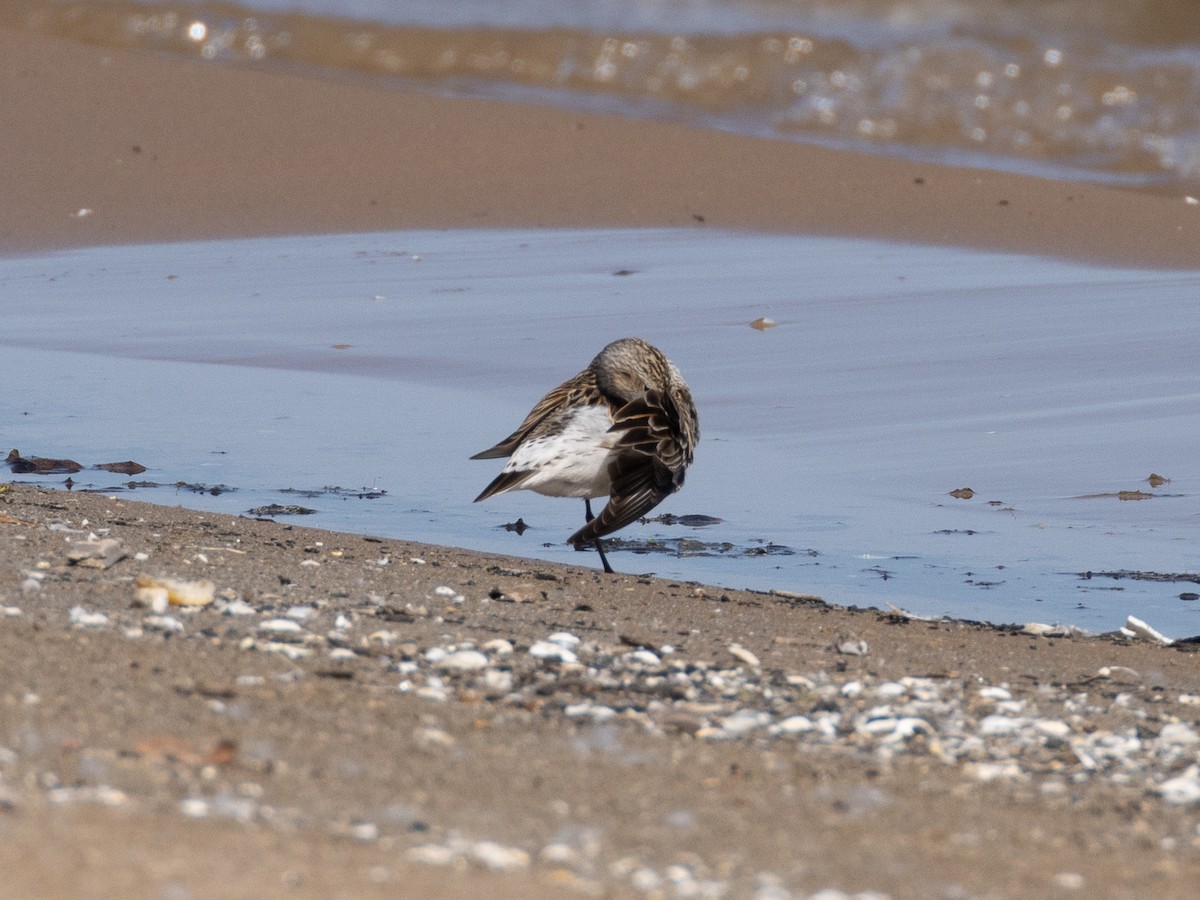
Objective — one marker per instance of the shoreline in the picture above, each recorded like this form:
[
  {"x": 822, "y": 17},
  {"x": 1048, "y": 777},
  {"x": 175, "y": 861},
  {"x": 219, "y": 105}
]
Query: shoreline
[
  {"x": 217, "y": 152},
  {"x": 412, "y": 714}
]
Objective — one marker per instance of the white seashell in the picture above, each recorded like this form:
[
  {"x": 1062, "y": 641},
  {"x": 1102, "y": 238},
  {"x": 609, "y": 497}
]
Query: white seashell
[
  {"x": 463, "y": 661},
  {"x": 994, "y": 693},
  {"x": 737, "y": 651},
  {"x": 280, "y": 626},
  {"x": 499, "y": 858},
  {"x": 547, "y": 650},
  {"x": 86, "y": 619},
  {"x": 432, "y": 855},
  {"x": 498, "y": 647},
  {"x": 1183, "y": 788},
  {"x": 179, "y": 591},
  {"x": 795, "y": 725},
  {"x": 1136, "y": 628},
  {"x": 1179, "y": 734},
  {"x": 745, "y": 720}
]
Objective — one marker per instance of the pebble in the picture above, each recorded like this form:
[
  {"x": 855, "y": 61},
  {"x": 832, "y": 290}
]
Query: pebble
[
  {"x": 238, "y": 608},
  {"x": 548, "y": 650},
  {"x": 1183, "y": 788},
  {"x": 499, "y": 858},
  {"x": 86, "y": 619},
  {"x": 737, "y": 651},
  {"x": 794, "y": 725},
  {"x": 280, "y": 626},
  {"x": 164, "y": 624},
  {"x": 464, "y": 661},
  {"x": 96, "y": 553},
  {"x": 498, "y": 647},
  {"x": 180, "y": 592}
]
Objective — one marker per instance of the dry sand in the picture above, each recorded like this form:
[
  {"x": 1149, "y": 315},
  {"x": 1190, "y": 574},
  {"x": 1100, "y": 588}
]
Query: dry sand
[{"x": 345, "y": 759}]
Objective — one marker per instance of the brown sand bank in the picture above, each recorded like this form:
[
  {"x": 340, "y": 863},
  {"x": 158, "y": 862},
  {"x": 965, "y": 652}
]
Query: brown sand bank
[
  {"x": 160, "y": 149},
  {"x": 415, "y": 729}
]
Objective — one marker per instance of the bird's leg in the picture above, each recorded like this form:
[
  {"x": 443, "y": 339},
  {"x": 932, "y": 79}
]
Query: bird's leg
[{"x": 587, "y": 505}]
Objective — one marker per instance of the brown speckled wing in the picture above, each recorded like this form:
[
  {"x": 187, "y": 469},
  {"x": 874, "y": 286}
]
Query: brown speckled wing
[
  {"x": 655, "y": 449},
  {"x": 579, "y": 390}
]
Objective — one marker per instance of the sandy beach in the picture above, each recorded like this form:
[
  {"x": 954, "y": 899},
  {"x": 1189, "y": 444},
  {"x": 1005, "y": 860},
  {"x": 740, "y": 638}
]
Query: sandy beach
[
  {"x": 345, "y": 716},
  {"x": 269, "y": 154}
]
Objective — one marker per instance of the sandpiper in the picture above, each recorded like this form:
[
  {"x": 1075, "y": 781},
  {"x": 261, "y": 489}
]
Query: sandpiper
[{"x": 624, "y": 428}]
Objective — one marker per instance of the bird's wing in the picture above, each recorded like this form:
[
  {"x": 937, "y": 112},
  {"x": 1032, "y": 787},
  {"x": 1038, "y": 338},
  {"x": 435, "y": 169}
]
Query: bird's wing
[
  {"x": 563, "y": 395},
  {"x": 652, "y": 456}
]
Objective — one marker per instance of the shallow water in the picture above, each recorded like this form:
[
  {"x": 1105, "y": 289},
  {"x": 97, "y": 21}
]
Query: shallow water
[
  {"x": 893, "y": 375},
  {"x": 1105, "y": 90}
]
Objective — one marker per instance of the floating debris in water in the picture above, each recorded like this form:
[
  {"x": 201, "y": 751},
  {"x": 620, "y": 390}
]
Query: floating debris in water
[
  {"x": 127, "y": 467},
  {"x": 40, "y": 465},
  {"x": 276, "y": 509},
  {"x": 690, "y": 521},
  {"x": 1119, "y": 574}
]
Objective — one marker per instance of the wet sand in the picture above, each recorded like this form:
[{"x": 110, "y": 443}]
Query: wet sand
[
  {"x": 159, "y": 149},
  {"x": 778, "y": 743}
]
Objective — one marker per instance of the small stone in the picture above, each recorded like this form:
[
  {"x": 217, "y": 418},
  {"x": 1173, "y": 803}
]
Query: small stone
[
  {"x": 300, "y": 613},
  {"x": 563, "y": 639},
  {"x": 342, "y": 654},
  {"x": 497, "y": 681},
  {"x": 96, "y": 554},
  {"x": 280, "y": 626},
  {"x": 86, "y": 619},
  {"x": 1178, "y": 734},
  {"x": 547, "y": 650},
  {"x": 644, "y": 658},
  {"x": 996, "y": 725},
  {"x": 558, "y": 855},
  {"x": 464, "y": 661},
  {"x": 194, "y": 807},
  {"x": 740, "y": 653},
  {"x": 1054, "y": 728},
  {"x": 179, "y": 591},
  {"x": 745, "y": 720},
  {"x": 499, "y": 858},
  {"x": 852, "y": 647},
  {"x": 795, "y": 725},
  {"x": 994, "y": 693},
  {"x": 498, "y": 647},
  {"x": 238, "y": 608},
  {"x": 1183, "y": 788},
  {"x": 432, "y": 855},
  {"x": 1069, "y": 881},
  {"x": 164, "y": 624}
]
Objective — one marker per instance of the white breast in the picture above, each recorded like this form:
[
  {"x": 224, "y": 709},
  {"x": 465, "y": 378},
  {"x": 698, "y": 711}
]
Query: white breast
[{"x": 571, "y": 462}]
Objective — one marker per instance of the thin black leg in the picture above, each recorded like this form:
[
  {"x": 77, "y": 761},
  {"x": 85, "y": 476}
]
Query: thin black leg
[{"x": 587, "y": 505}]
